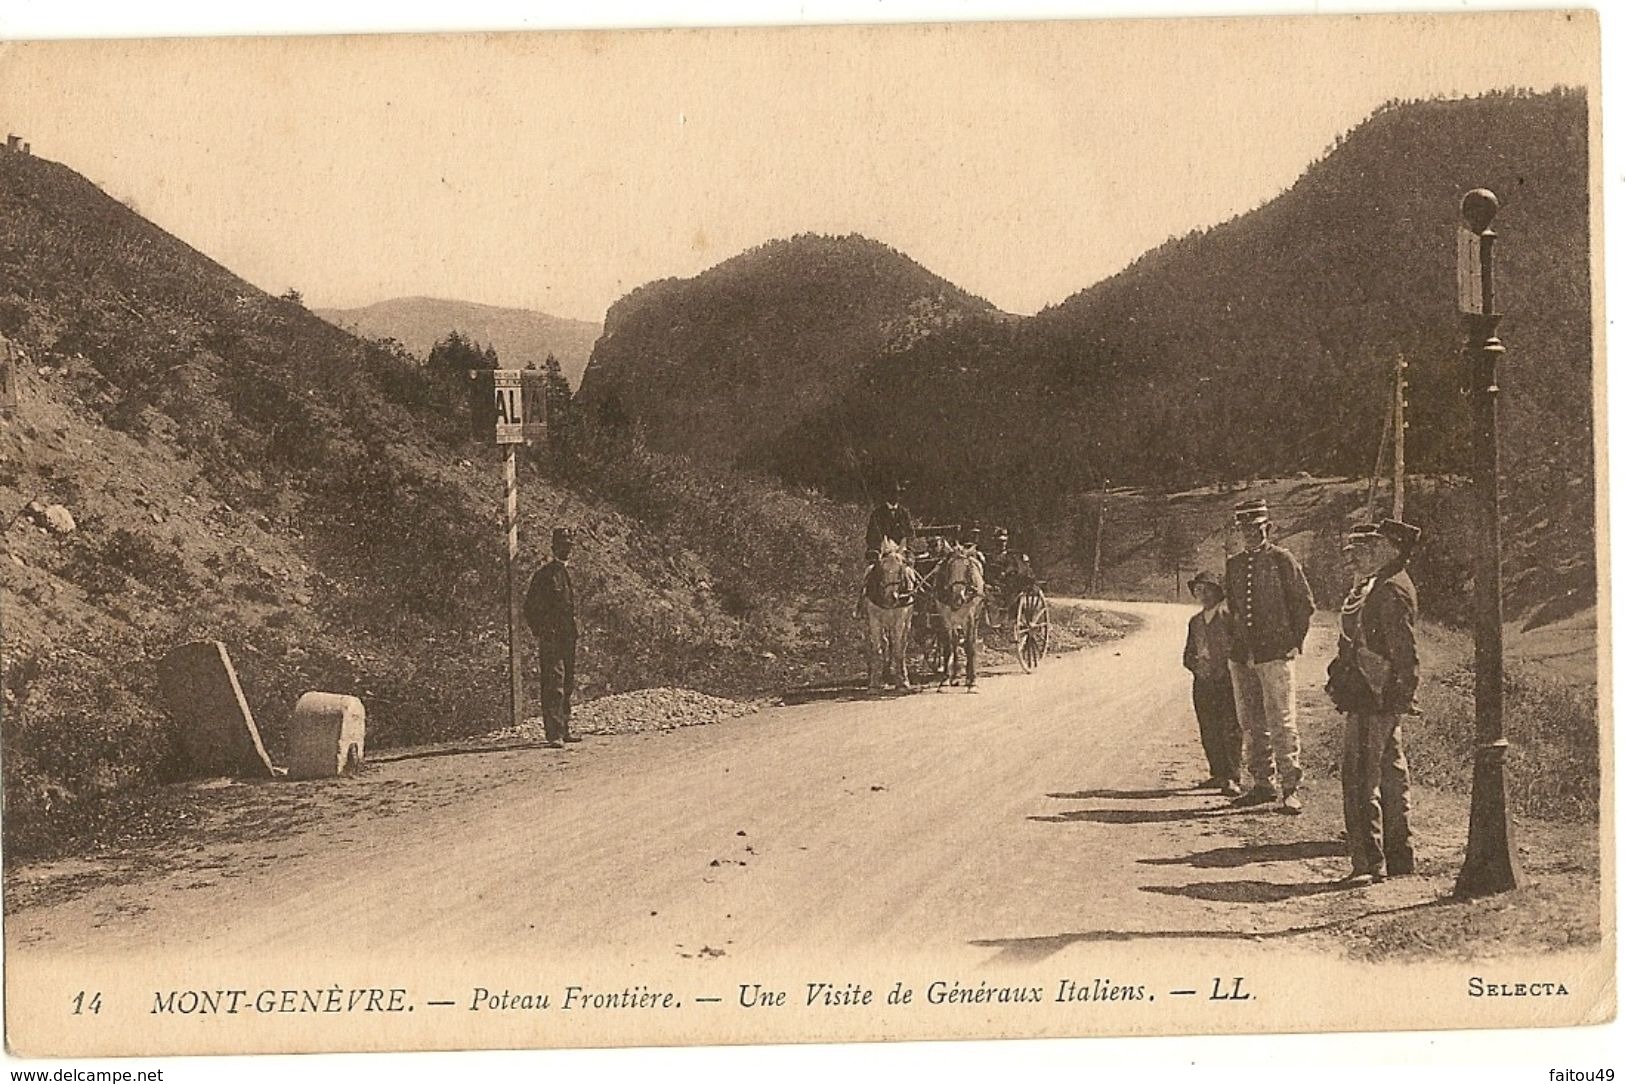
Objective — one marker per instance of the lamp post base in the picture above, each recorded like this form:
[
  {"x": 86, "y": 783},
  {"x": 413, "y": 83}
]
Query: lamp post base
[{"x": 1492, "y": 864}]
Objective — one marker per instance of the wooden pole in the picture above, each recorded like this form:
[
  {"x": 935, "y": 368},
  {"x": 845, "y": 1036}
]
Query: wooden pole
[
  {"x": 510, "y": 519},
  {"x": 1492, "y": 855},
  {"x": 1376, "y": 467},
  {"x": 1399, "y": 438},
  {"x": 1100, "y": 527}
]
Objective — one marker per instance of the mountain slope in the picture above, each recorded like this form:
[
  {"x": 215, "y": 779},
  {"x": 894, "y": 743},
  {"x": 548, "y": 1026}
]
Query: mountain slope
[
  {"x": 522, "y": 337},
  {"x": 238, "y": 469},
  {"x": 1265, "y": 345},
  {"x": 722, "y": 363}
]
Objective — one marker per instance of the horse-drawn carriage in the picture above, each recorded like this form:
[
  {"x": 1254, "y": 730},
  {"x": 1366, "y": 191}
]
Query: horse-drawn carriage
[{"x": 1011, "y": 597}]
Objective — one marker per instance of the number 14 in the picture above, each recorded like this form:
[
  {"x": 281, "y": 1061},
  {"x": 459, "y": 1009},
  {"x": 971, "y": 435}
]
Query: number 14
[{"x": 80, "y": 1004}]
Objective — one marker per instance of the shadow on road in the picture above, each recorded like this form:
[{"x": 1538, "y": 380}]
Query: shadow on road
[
  {"x": 1136, "y": 816},
  {"x": 1257, "y": 854},
  {"x": 1246, "y": 891},
  {"x": 1027, "y": 950},
  {"x": 808, "y": 694},
  {"x": 857, "y": 690},
  {"x": 1084, "y": 795}
]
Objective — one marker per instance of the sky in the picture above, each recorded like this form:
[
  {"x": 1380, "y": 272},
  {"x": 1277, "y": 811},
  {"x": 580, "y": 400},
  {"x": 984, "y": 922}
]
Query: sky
[
  {"x": 1021, "y": 161},
  {"x": 329, "y": 178}
]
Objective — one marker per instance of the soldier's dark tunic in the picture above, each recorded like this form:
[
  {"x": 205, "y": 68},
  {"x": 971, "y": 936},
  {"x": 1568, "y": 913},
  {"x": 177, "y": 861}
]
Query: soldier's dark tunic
[{"x": 550, "y": 611}]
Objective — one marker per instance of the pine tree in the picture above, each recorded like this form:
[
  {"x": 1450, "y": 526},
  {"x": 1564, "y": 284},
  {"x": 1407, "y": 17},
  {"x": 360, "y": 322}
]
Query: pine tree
[
  {"x": 558, "y": 409},
  {"x": 456, "y": 354}
]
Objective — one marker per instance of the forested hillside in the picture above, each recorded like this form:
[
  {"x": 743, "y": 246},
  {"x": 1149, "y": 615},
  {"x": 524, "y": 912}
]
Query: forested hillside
[
  {"x": 720, "y": 365},
  {"x": 1264, "y": 346}
]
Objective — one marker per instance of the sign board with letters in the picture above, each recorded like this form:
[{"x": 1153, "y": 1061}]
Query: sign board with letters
[{"x": 509, "y": 405}]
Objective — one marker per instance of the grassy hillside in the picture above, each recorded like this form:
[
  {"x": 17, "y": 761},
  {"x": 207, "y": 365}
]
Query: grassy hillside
[
  {"x": 521, "y": 337},
  {"x": 718, "y": 366},
  {"x": 242, "y": 470}
]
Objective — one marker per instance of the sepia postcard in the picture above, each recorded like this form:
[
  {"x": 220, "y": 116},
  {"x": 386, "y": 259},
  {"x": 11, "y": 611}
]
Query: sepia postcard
[{"x": 804, "y": 534}]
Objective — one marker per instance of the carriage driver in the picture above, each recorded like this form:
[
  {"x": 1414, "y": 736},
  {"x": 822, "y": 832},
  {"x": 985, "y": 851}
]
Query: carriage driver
[{"x": 889, "y": 520}]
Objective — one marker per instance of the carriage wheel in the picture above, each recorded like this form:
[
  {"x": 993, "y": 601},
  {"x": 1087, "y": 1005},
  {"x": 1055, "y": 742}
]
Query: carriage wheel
[{"x": 1031, "y": 629}]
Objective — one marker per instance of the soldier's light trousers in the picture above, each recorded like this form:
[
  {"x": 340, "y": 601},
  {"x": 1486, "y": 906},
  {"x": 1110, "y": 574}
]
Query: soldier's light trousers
[{"x": 1267, "y": 705}]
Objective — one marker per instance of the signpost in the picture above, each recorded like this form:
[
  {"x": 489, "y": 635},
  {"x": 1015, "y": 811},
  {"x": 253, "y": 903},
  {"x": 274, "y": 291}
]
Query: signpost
[
  {"x": 1492, "y": 857},
  {"x": 511, "y": 406}
]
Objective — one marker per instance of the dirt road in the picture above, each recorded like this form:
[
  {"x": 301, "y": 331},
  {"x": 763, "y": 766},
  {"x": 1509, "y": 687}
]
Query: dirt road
[
  {"x": 1040, "y": 811},
  {"x": 1042, "y": 829}
]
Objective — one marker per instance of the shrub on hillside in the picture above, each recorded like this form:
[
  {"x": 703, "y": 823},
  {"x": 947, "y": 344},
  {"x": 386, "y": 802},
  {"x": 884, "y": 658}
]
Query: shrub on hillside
[
  {"x": 114, "y": 563},
  {"x": 763, "y": 540},
  {"x": 77, "y": 728}
]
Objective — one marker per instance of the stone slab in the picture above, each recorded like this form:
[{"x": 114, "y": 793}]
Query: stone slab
[{"x": 216, "y": 730}]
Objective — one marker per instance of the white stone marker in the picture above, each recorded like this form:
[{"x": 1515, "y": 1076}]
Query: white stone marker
[{"x": 327, "y": 734}]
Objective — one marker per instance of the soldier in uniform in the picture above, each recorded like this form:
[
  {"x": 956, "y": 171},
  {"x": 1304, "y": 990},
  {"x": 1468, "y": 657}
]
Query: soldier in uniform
[
  {"x": 889, "y": 520},
  {"x": 550, "y": 611},
  {"x": 1373, "y": 682},
  {"x": 1270, "y": 607}
]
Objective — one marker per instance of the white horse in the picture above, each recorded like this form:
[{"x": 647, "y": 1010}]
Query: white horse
[
  {"x": 888, "y": 607},
  {"x": 960, "y": 592}
]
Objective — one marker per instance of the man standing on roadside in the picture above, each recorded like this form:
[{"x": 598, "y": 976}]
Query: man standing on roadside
[
  {"x": 1207, "y": 657},
  {"x": 550, "y": 611},
  {"x": 1270, "y": 607},
  {"x": 1373, "y": 682}
]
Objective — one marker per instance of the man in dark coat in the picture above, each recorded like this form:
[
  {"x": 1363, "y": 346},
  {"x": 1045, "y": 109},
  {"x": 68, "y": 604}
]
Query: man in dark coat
[
  {"x": 1207, "y": 657},
  {"x": 1373, "y": 682},
  {"x": 889, "y": 520},
  {"x": 550, "y": 611},
  {"x": 1270, "y": 607}
]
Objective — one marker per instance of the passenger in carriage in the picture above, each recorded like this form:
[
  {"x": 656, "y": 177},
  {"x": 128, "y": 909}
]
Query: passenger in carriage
[{"x": 1008, "y": 574}]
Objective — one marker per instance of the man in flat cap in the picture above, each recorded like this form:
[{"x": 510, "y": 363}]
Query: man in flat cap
[
  {"x": 1207, "y": 657},
  {"x": 1373, "y": 682},
  {"x": 1270, "y": 607},
  {"x": 550, "y": 611}
]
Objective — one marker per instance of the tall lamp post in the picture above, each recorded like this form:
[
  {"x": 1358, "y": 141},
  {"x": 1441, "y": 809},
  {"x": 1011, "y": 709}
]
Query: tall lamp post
[{"x": 1492, "y": 856}]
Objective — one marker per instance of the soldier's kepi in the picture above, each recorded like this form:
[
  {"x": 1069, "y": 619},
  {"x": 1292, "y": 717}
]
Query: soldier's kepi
[
  {"x": 550, "y": 611},
  {"x": 1270, "y": 606}
]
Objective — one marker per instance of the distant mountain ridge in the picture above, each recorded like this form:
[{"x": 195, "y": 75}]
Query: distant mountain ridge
[
  {"x": 522, "y": 337},
  {"x": 727, "y": 360}
]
